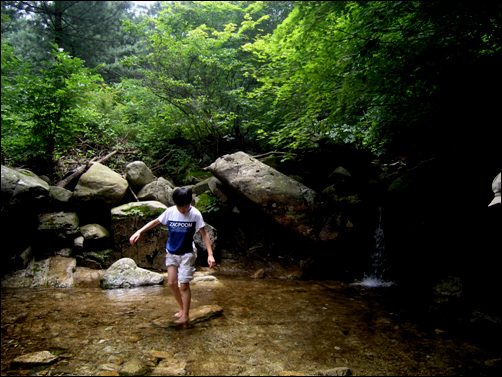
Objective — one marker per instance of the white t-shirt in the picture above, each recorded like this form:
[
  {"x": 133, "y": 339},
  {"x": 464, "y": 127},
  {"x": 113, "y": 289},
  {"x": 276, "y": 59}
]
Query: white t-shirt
[{"x": 182, "y": 228}]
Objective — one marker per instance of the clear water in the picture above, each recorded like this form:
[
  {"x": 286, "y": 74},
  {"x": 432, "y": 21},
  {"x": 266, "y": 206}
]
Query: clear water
[{"x": 268, "y": 327}]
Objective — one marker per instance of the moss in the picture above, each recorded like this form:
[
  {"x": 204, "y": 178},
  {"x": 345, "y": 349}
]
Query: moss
[
  {"x": 144, "y": 212},
  {"x": 204, "y": 200},
  {"x": 208, "y": 202},
  {"x": 199, "y": 174}
]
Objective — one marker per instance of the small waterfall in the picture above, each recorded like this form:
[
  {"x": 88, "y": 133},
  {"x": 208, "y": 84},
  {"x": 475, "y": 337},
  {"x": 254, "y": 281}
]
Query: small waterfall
[{"x": 378, "y": 260}]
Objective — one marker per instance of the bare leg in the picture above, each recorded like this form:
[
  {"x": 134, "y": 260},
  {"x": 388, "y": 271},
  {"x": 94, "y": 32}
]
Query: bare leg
[
  {"x": 172, "y": 281},
  {"x": 186, "y": 296}
]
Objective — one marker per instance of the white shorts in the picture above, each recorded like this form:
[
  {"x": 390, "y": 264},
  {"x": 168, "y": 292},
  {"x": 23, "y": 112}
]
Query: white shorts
[{"x": 185, "y": 264}]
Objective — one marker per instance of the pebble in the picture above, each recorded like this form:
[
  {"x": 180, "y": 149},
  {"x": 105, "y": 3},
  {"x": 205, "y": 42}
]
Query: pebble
[
  {"x": 162, "y": 354},
  {"x": 134, "y": 367}
]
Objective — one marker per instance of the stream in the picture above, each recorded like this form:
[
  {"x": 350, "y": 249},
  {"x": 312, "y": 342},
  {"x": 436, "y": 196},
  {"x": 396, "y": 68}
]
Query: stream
[{"x": 268, "y": 327}]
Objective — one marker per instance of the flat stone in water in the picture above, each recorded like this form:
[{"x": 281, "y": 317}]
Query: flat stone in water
[
  {"x": 41, "y": 357},
  {"x": 197, "y": 315}
]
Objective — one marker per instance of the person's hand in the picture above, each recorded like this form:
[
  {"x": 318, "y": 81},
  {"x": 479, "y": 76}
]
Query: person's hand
[
  {"x": 134, "y": 238},
  {"x": 210, "y": 261}
]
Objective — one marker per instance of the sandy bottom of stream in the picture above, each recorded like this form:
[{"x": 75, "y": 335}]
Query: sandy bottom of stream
[{"x": 268, "y": 327}]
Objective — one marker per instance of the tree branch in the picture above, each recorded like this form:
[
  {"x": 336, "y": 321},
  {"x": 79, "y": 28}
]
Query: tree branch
[{"x": 82, "y": 169}]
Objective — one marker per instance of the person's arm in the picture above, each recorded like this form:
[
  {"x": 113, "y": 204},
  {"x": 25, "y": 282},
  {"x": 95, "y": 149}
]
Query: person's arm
[
  {"x": 210, "y": 258},
  {"x": 150, "y": 225}
]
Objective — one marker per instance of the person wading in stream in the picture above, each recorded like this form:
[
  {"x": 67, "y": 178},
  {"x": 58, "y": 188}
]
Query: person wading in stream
[{"x": 183, "y": 221}]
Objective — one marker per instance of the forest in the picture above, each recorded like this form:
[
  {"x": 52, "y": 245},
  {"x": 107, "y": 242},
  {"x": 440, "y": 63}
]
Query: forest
[{"x": 178, "y": 84}]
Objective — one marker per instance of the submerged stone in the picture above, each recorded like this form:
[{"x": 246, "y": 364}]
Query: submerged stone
[
  {"x": 41, "y": 357},
  {"x": 197, "y": 315}
]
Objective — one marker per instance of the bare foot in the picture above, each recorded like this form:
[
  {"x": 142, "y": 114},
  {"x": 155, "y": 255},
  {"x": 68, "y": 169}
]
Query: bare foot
[
  {"x": 182, "y": 319},
  {"x": 179, "y": 314}
]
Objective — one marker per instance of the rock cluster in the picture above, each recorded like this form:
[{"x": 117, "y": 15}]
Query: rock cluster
[{"x": 91, "y": 224}]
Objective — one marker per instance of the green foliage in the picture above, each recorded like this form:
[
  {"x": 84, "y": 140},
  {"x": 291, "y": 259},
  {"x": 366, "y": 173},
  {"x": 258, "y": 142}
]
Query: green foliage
[
  {"x": 89, "y": 30},
  {"x": 44, "y": 112},
  {"x": 196, "y": 66},
  {"x": 366, "y": 73},
  {"x": 216, "y": 77},
  {"x": 208, "y": 203}
]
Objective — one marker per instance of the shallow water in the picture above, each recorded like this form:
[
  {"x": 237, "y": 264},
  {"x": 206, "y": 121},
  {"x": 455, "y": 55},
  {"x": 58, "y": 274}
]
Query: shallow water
[{"x": 269, "y": 326}]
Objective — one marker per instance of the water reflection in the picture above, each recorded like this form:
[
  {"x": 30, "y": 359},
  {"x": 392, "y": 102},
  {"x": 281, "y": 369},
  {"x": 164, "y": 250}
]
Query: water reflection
[{"x": 134, "y": 294}]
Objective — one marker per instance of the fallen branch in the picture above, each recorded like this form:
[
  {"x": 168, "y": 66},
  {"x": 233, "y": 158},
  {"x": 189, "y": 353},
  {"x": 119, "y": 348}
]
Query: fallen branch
[
  {"x": 75, "y": 174},
  {"x": 82, "y": 169},
  {"x": 133, "y": 194},
  {"x": 272, "y": 153},
  {"x": 107, "y": 156},
  {"x": 158, "y": 164}
]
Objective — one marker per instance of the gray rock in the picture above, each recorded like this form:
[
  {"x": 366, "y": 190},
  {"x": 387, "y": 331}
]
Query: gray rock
[
  {"x": 134, "y": 367},
  {"x": 288, "y": 202},
  {"x": 124, "y": 273},
  {"x": 101, "y": 184},
  {"x": 21, "y": 187},
  {"x": 199, "y": 242},
  {"x": 57, "y": 230},
  {"x": 159, "y": 190},
  {"x": 217, "y": 189},
  {"x": 54, "y": 272},
  {"x": 94, "y": 231},
  {"x": 41, "y": 357},
  {"x": 59, "y": 195},
  {"x": 95, "y": 236},
  {"x": 98, "y": 259},
  {"x": 149, "y": 251},
  {"x": 201, "y": 187},
  {"x": 62, "y": 223},
  {"x": 138, "y": 174}
]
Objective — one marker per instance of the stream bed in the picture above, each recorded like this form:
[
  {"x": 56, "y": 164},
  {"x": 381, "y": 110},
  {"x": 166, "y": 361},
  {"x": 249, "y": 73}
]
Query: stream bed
[{"x": 268, "y": 327}]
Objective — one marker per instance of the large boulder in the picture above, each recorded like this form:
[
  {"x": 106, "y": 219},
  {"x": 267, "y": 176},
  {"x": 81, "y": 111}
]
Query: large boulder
[
  {"x": 138, "y": 174},
  {"x": 60, "y": 224},
  {"x": 54, "y": 272},
  {"x": 23, "y": 196},
  {"x": 149, "y": 251},
  {"x": 101, "y": 184},
  {"x": 288, "y": 202},
  {"x": 201, "y": 246},
  {"x": 124, "y": 273},
  {"x": 55, "y": 231},
  {"x": 160, "y": 190},
  {"x": 22, "y": 187}
]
